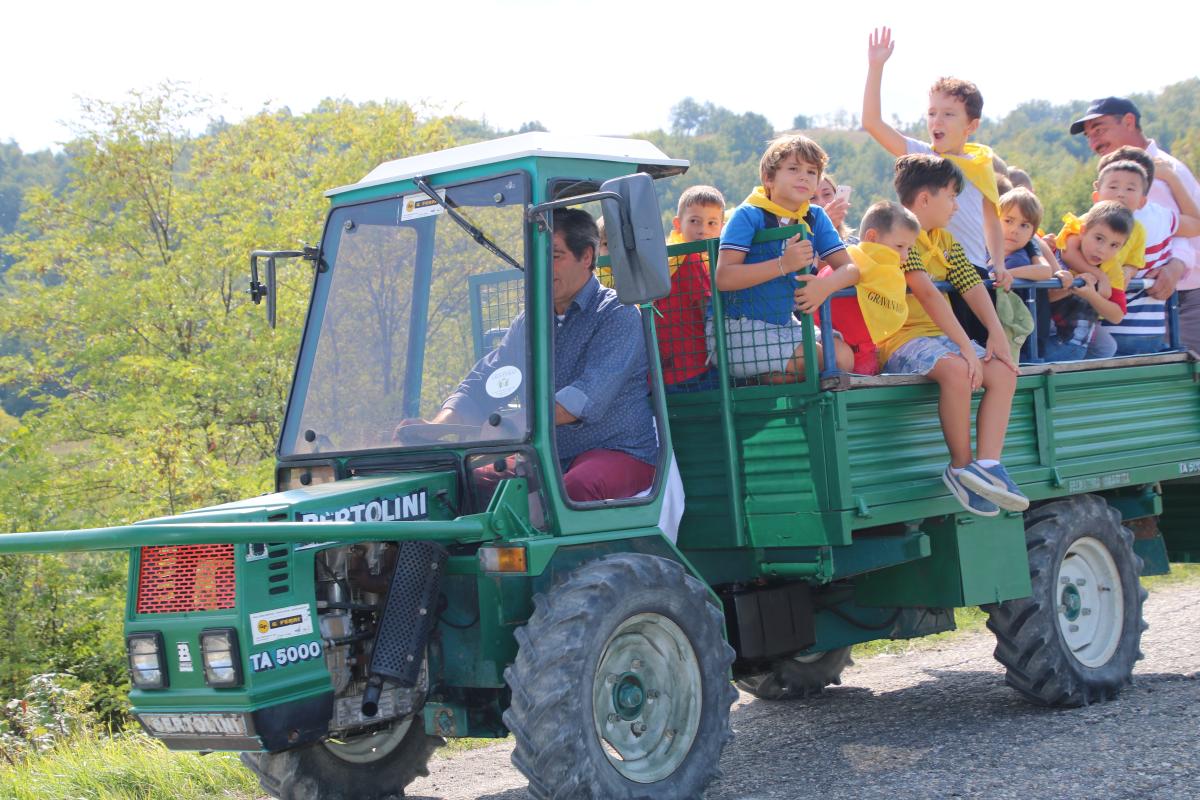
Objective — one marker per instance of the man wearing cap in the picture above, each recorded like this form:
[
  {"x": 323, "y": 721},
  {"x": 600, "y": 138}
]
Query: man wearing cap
[{"x": 1113, "y": 122}]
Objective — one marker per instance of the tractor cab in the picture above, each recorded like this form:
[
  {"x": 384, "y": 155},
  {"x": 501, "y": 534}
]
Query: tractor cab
[{"x": 424, "y": 266}]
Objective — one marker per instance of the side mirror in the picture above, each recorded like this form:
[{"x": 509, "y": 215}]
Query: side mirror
[
  {"x": 260, "y": 290},
  {"x": 637, "y": 246}
]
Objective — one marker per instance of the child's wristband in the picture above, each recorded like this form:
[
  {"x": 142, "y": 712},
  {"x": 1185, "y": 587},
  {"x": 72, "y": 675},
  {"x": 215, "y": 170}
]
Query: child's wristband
[{"x": 782, "y": 274}]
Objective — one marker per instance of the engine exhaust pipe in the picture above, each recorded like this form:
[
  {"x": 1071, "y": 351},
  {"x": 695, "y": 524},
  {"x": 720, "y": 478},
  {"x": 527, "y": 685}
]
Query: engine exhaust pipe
[{"x": 407, "y": 620}]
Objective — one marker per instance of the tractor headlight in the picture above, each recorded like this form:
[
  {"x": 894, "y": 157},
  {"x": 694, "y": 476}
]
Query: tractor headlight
[
  {"x": 147, "y": 665},
  {"x": 221, "y": 657}
]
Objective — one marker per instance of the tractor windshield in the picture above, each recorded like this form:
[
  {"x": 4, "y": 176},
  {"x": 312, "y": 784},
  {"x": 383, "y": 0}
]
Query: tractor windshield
[{"x": 409, "y": 303}]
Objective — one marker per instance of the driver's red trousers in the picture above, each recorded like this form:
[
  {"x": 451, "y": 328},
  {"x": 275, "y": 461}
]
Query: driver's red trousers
[
  {"x": 592, "y": 475},
  {"x": 606, "y": 475}
]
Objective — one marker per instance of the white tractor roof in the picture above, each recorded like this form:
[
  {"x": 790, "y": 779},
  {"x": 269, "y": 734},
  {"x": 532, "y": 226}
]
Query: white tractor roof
[{"x": 546, "y": 145}]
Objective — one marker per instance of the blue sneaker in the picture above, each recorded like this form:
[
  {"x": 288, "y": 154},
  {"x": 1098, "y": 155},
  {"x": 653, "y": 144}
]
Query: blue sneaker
[
  {"x": 971, "y": 501},
  {"x": 995, "y": 484}
]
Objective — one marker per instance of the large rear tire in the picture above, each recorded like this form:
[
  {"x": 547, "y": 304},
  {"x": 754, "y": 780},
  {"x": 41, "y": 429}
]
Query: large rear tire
[
  {"x": 620, "y": 688},
  {"x": 798, "y": 676},
  {"x": 1075, "y": 640},
  {"x": 374, "y": 766}
]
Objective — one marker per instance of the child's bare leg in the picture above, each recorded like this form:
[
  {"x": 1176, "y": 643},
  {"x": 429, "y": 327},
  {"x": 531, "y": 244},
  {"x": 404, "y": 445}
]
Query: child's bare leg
[
  {"x": 843, "y": 355},
  {"x": 954, "y": 407},
  {"x": 795, "y": 365},
  {"x": 999, "y": 384}
]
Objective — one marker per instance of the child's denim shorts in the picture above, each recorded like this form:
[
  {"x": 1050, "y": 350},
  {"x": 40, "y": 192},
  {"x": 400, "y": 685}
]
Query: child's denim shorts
[{"x": 918, "y": 356}]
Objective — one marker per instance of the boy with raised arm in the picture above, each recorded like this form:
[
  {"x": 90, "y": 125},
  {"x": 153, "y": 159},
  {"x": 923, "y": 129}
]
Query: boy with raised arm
[
  {"x": 932, "y": 342},
  {"x": 761, "y": 284},
  {"x": 955, "y": 111}
]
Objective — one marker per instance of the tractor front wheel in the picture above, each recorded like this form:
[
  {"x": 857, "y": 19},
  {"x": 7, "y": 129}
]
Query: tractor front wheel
[
  {"x": 1075, "y": 639},
  {"x": 620, "y": 688},
  {"x": 373, "y": 766}
]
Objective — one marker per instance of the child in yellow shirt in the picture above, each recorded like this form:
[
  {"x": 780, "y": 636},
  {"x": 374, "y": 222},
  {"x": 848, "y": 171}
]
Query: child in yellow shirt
[{"x": 932, "y": 342}]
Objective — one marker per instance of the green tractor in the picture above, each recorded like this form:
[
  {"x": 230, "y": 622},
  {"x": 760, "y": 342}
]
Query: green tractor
[{"x": 382, "y": 599}]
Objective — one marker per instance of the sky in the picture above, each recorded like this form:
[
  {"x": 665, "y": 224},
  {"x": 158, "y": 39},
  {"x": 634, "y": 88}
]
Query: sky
[{"x": 611, "y": 67}]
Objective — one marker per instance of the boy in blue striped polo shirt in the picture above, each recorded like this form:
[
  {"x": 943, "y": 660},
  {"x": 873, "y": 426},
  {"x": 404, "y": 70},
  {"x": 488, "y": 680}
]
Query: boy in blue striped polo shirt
[{"x": 762, "y": 284}]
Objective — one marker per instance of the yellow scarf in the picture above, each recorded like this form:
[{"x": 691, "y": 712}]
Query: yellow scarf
[
  {"x": 758, "y": 198},
  {"x": 1073, "y": 226},
  {"x": 881, "y": 288},
  {"x": 932, "y": 245},
  {"x": 605, "y": 276},
  {"x": 976, "y": 166},
  {"x": 675, "y": 237}
]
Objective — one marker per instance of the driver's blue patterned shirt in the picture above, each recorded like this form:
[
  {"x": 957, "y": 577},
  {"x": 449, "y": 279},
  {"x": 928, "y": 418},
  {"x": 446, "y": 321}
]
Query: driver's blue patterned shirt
[{"x": 600, "y": 377}]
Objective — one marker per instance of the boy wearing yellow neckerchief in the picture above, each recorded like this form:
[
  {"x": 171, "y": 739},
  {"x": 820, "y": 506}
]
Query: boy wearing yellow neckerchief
[
  {"x": 953, "y": 116},
  {"x": 762, "y": 283},
  {"x": 932, "y": 342},
  {"x": 1095, "y": 242},
  {"x": 879, "y": 308}
]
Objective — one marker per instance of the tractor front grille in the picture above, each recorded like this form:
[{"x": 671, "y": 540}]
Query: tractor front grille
[{"x": 191, "y": 577}]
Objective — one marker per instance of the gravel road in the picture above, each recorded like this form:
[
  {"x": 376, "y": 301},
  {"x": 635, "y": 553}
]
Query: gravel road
[{"x": 939, "y": 722}]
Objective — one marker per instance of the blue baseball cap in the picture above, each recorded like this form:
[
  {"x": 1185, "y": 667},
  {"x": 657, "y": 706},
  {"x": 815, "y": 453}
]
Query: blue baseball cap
[{"x": 1106, "y": 107}]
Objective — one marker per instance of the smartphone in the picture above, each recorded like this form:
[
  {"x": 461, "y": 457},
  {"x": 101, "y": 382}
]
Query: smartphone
[{"x": 843, "y": 192}]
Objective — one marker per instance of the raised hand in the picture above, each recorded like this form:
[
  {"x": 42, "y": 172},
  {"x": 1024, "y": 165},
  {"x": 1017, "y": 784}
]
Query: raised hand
[{"x": 880, "y": 46}]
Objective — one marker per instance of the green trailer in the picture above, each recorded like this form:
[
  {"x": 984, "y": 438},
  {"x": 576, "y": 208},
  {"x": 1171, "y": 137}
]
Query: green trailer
[{"x": 380, "y": 600}]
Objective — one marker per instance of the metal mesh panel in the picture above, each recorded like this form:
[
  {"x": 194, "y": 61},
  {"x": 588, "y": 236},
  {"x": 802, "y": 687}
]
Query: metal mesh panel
[
  {"x": 496, "y": 300},
  {"x": 764, "y": 339},
  {"x": 182, "y": 578}
]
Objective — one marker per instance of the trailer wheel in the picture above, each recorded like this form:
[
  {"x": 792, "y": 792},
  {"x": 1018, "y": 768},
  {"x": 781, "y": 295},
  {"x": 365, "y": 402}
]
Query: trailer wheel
[
  {"x": 798, "y": 676},
  {"x": 1074, "y": 641},
  {"x": 620, "y": 688},
  {"x": 374, "y": 766}
]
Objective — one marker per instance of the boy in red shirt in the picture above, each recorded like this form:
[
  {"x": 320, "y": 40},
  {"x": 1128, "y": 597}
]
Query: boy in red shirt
[{"x": 681, "y": 343}]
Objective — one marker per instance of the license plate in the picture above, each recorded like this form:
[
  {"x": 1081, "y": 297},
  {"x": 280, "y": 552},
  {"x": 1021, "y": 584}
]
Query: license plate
[{"x": 195, "y": 724}]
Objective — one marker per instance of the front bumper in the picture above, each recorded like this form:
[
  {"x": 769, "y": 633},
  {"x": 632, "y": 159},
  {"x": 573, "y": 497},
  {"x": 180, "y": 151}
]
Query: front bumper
[{"x": 274, "y": 728}]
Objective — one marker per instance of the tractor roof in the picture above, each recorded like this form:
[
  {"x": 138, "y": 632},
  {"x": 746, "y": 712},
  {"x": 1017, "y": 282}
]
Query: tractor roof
[{"x": 645, "y": 155}]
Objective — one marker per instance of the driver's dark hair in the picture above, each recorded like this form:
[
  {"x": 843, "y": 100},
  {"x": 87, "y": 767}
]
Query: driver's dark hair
[{"x": 579, "y": 231}]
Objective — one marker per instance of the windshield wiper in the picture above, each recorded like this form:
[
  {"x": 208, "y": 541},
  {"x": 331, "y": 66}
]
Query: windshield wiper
[{"x": 476, "y": 234}]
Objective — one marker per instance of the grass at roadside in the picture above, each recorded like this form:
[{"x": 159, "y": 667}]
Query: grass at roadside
[
  {"x": 1180, "y": 573},
  {"x": 126, "y": 767}
]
